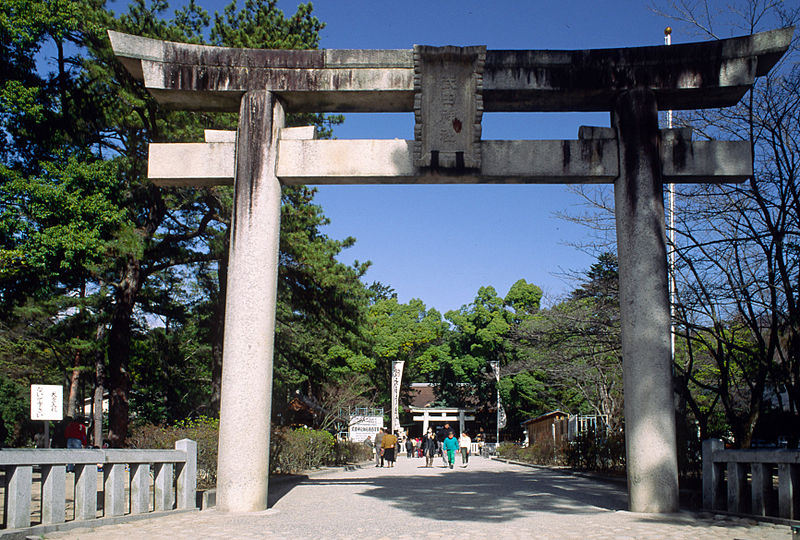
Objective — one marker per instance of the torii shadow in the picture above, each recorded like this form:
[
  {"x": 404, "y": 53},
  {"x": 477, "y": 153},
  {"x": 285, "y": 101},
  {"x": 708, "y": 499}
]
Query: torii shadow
[{"x": 486, "y": 496}]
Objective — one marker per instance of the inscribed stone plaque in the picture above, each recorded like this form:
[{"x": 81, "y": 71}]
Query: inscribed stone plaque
[{"x": 448, "y": 106}]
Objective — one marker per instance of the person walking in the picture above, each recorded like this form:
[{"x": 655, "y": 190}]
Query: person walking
[
  {"x": 378, "y": 448},
  {"x": 441, "y": 435},
  {"x": 410, "y": 447},
  {"x": 450, "y": 448},
  {"x": 464, "y": 442},
  {"x": 388, "y": 443},
  {"x": 429, "y": 446}
]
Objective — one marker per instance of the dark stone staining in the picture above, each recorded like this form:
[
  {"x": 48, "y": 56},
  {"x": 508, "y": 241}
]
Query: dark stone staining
[
  {"x": 457, "y": 125},
  {"x": 588, "y": 80},
  {"x": 637, "y": 122},
  {"x": 565, "y": 155},
  {"x": 680, "y": 151},
  {"x": 253, "y": 142},
  {"x": 242, "y": 58}
]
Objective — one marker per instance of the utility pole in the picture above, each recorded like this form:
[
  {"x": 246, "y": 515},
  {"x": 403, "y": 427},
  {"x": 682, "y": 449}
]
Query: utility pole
[{"x": 671, "y": 189}]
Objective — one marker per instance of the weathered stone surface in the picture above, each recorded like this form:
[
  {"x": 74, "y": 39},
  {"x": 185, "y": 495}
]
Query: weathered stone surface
[
  {"x": 114, "y": 489},
  {"x": 219, "y": 135},
  {"x": 651, "y": 455},
  {"x": 197, "y": 164},
  {"x": 685, "y": 76},
  {"x": 448, "y": 106},
  {"x": 18, "y": 496},
  {"x": 588, "y": 160},
  {"x": 86, "y": 491},
  {"x": 53, "y": 493},
  {"x": 712, "y": 476},
  {"x": 186, "y": 475},
  {"x": 246, "y": 400}
]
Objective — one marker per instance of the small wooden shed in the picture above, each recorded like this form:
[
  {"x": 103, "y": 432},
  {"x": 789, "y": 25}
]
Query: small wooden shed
[{"x": 551, "y": 427}]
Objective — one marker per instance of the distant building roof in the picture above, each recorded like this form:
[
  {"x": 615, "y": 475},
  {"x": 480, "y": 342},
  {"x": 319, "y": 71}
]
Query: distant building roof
[
  {"x": 546, "y": 416},
  {"x": 422, "y": 395}
]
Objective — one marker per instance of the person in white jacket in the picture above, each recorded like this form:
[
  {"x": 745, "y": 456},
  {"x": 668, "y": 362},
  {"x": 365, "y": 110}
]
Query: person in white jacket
[{"x": 464, "y": 443}]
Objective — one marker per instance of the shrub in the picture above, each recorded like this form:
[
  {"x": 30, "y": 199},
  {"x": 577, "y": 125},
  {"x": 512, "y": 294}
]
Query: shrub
[
  {"x": 597, "y": 452},
  {"x": 203, "y": 430},
  {"x": 544, "y": 453},
  {"x": 291, "y": 451},
  {"x": 13, "y": 412},
  {"x": 351, "y": 452}
]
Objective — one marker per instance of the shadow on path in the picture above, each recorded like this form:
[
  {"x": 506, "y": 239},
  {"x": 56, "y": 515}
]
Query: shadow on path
[
  {"x": 279, "y": 486},
  {"x": 487, "y": 496}
]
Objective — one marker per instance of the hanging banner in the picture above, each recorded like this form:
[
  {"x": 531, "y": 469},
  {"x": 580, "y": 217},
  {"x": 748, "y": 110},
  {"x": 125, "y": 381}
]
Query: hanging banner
[
  {"x": 502, "y": 417},
  {"x": 397, "y": 376},
  {"x": 495, "y": 369}
]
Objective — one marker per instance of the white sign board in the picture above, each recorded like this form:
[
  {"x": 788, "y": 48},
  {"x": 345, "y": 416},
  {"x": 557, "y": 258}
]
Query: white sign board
[
  {"x": 362, "y": 427},
  {"x": 47, "y": 402}
]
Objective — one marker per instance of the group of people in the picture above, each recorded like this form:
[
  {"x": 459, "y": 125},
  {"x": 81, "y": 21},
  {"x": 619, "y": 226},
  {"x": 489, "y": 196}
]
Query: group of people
[{"x": 443, "y": 442}]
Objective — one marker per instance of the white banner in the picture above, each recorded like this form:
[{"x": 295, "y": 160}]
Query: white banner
[
  {"x": 47, "y": 402},
  {"x": 362, "y": 427},
  {"x": 397, "y": 376}
]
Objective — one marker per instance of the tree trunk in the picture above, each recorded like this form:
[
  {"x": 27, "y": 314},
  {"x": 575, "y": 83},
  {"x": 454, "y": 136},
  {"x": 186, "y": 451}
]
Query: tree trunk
[
  {"x": 119, "y": 350},
  {"x": 99, "y": 387},
  {"x": 72, "y": 401},
  {"x": 218, "y": 329}
]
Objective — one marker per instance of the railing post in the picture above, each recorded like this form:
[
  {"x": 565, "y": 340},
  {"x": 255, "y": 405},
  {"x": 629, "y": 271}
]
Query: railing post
[
  {"x": 114, "y": 489},
  {"x": 163, "y": 487},
  {"x": 85, "y": 491},
  {"x": 761, "y": 487},
  {"x": 18, "y": 496},
  {"x": 140, "y": 488},
  {"x": 788, "y": 492},
  {"x": 712, "y": 475},
  {"x": 737, "y": 479},
  {"x": 187, "y": 475},
  {"x": 54, "y": 478}
]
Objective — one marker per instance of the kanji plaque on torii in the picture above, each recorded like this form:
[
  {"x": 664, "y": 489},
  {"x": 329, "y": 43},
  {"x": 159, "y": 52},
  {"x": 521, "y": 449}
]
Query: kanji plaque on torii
[
  {"x": 449, "y": 88},
  {"x": 448, "y": 106}
]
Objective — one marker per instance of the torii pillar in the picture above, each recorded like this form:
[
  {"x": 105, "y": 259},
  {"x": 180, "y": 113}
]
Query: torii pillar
[
  {"x": 246, "y": 393},
  {"x": 448, "y": 88},
  {"x": 650, "y": 448}
]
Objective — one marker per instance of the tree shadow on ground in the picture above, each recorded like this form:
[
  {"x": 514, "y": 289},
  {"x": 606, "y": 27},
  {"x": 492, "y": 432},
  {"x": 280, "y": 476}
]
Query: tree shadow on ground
[
  {"x": 279, "y": 486},
  {"x": 488, "y": 496}
]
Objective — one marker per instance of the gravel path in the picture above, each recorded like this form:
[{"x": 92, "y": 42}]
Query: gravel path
[{"x": 488, "y": 499}]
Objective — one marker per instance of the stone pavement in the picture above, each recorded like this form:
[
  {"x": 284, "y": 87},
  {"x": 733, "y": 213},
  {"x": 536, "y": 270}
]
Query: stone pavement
[{"x": 488, "y": 499}]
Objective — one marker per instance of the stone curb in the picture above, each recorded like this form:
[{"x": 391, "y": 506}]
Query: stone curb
[{"x": 37, "y": 531}]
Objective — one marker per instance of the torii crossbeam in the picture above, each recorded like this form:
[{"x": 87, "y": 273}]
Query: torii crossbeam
[{"x": 448, "y": 88}]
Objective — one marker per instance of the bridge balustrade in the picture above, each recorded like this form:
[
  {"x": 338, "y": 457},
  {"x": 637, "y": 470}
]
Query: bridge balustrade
[
  {"x": 760, "y": 482},
  {"x": 174, "y": 474}
]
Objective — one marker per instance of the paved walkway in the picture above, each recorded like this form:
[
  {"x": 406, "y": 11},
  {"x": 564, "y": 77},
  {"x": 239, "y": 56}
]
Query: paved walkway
[{"x": 488, "y": 499}]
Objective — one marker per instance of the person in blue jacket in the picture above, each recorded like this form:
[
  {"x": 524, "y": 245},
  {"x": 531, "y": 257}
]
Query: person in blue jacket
[{"x": 450, "y": 448}]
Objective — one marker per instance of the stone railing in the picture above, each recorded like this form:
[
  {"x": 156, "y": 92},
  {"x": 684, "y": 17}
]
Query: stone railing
[
  {"x": 174, "y": 475},
  {"x": 726, "y": 486}
]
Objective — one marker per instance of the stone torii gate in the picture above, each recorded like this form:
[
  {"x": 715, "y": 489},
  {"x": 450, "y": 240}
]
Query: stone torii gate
[{"x": 448, "y": 88}]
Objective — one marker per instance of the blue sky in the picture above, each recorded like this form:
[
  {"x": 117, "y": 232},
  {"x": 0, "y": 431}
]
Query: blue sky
[{"x": 441, "y": 243}]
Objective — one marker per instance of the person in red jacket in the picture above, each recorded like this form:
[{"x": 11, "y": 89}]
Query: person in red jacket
[{"x": 75, "y": 433}]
